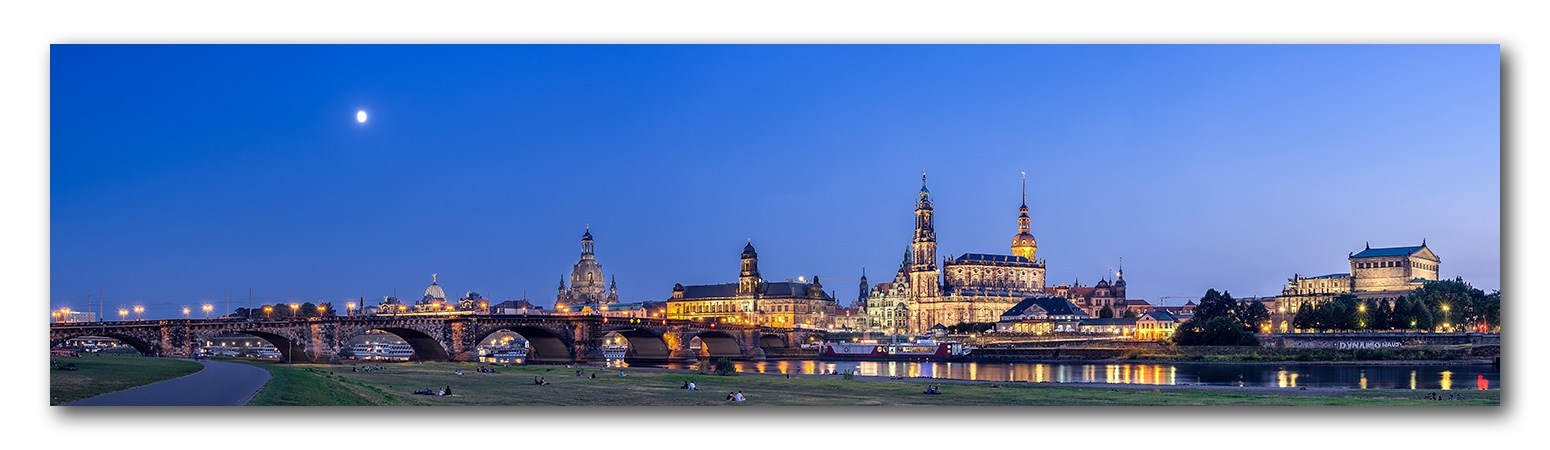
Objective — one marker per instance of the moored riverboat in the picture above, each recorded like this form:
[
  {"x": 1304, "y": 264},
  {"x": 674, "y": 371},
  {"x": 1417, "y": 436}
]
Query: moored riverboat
[{"x": 921, "y": 350}]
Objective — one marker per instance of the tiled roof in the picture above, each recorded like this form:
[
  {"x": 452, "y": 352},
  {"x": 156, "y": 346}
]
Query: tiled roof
[
  {"x": 992, "y": 258},
  {"x": 711, "y": 290},
  {"x": 1052, "y": 305},
  {"x": 1391, "y": 251},
  {"x": 776, "y": 289}
]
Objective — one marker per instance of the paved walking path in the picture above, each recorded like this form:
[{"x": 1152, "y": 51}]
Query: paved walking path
[{"x": 218, "y": 384}]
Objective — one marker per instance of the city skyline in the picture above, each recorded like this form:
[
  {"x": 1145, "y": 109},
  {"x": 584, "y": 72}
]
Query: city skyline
[{"x": 225, "y": 168}]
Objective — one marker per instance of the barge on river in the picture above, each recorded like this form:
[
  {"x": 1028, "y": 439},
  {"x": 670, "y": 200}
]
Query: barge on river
[{"x": 923, "y": 350}]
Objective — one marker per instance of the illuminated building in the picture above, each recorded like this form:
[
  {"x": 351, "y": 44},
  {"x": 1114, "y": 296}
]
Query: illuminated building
[
  {"x": 972, "y": 287},
  {"x": 1381, "y": 274},
  {"x": 586, "y": 292},
  {"x": 752, "y": 300}
]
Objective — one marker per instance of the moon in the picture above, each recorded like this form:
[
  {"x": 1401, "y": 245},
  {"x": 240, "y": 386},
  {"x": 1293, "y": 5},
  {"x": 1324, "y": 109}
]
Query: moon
[{"x": 360, "y": 116}]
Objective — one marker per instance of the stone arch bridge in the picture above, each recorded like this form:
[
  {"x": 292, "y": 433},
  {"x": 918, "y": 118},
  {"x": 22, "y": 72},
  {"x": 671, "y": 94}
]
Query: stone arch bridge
[{"x": 553, "y": 339}]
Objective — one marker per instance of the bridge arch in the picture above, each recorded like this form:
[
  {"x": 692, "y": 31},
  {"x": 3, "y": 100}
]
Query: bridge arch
[
  {"x": 772, "y": 341},
  {"x": 645, "y": 345},
  {"x": 426, "y": 348},
  {"x": 290, "y": 350},
  {"x": 140, "y": 345},
  {"x": 544, "y": 345},
  {"x": 718, "y": 344}
]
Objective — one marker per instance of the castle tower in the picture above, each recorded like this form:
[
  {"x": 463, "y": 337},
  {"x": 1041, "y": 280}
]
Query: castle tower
[
  {"x": 1023, "y": 243},
  {"x": 748, "y": 280},
  {"x": 923, "y": 270}
]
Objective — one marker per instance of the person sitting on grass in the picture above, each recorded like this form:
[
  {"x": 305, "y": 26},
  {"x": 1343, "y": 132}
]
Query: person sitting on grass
[
  {"x": 543, "y": 382},
  {"x": 731, "y": 396},
  {"x": 739, "y": 397},
  {"x": 692, "y": 387}
]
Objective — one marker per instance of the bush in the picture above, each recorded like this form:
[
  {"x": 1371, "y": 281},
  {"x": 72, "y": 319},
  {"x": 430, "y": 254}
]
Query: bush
[
  {"x": 724, "y": 367},
  {"x": 850, "y": 375}
]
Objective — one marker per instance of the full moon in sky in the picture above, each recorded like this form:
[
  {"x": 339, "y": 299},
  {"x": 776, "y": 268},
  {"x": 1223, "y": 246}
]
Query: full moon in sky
[{"x": 360, "y": 116}]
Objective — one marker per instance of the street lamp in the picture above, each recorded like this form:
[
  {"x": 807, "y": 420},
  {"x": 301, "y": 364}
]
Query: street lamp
[
  {"x": 294, "y": 308},
  {"x": 349, "y": 309},
  {"x": 122, "y": 313},
  {"x": 207, "y": 309},
  {"x": 185, "y": 313},
  {"x": 321, "y": 310},
  {"x": 138, "y": 310}
]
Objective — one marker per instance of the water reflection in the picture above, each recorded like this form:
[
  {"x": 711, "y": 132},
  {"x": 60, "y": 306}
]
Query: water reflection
[{"x": 1290, "y": 376}]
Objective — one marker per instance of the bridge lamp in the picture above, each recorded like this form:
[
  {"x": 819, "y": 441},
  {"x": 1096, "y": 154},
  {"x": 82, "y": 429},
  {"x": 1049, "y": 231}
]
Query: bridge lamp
[
  {"x": 207, "y": 309},
  {"x": 267, "y": 311},
  {"x": 294, "y": 308},
  {"x": 138, "y": 310},
  {"x": 322, "y": 309},
  {"x": 185, "y": 313},
  {"x": 349, "y": 308},
  {"x": 122, "y": 313}
]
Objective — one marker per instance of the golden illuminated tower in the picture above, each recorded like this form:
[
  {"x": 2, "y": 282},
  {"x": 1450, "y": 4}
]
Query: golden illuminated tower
[{"x": 1023, "y": 243}]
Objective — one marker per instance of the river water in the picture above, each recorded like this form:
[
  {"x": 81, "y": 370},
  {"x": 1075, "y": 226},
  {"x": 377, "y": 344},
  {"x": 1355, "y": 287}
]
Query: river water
[{"x": 1362, "y": 376}]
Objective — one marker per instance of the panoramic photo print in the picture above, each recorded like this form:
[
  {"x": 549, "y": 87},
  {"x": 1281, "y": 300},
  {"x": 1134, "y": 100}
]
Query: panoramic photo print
[{"x": 775, "y": 225}]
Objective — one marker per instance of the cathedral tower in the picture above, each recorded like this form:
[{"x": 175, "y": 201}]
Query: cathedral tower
[
  {"x": 865, "y": 291},
  {"x": 923, "y": 270},
  {"x": 748, "y": 280},
  {"x": 1023, "y": 243}
]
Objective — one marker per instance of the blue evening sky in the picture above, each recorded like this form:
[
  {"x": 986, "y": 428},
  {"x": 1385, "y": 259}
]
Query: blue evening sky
[{"x": 180, "y": 173}]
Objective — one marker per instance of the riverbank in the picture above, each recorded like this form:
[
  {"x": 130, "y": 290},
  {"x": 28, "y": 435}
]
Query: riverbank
[{"x": 324, "y": 384}]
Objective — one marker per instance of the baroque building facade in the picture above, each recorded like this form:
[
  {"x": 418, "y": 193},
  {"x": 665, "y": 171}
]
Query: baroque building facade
[
  {"x": 972, "y": 287},
  {"x": 752, "y": 300},
  {"x": 586, "y": 292}
]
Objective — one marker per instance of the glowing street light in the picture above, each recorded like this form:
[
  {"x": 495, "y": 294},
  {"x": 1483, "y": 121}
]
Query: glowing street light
[
  {"x": 207, "y": 309},
  {"x": 122, "y": 313},
  {"x": 294, "y": 307},
  {"x": 349, "y": 309},
  {"x": 267, "y": 310},
  {"x": 321, "y": 310},
  {"x": 185, "y": 312},
  {"x": 138, "y": 310}
]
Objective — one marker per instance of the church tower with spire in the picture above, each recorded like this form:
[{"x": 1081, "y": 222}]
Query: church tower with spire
[
  {"x": 923, "y": 271},
  {"x": 1023, "y": 243}
]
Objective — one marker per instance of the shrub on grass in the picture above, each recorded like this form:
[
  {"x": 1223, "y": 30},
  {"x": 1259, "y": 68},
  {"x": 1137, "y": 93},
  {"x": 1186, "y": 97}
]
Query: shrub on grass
[{"x": 724, "y": 367}]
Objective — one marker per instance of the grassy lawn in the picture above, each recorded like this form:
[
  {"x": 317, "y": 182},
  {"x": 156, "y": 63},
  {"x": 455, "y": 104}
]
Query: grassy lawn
[
  {"x": 97, "y": 375},
  {"x": 312, "y": 384}
]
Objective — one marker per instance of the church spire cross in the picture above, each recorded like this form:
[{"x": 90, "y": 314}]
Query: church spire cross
[
  {"x": 433, "y": 278},
  {"x": 1025, "y": 189}
]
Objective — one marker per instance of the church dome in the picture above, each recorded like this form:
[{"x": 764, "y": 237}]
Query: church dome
[
  {"x": 748, "y": 249},
  {"x": 434, "y": 291}
]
